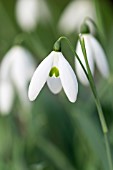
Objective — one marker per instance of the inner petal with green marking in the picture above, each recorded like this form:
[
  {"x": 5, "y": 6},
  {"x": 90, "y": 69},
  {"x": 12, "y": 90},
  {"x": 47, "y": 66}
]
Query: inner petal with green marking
[{"x": 54, "y": 72}]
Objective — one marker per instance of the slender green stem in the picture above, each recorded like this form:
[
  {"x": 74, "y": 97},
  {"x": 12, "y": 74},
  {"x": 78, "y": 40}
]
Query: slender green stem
[
  {"x": 108, "y": 151},
  {"x": 93, "y": 87},
  {"x": 98, "y": 32},
  {"x": 73, "y": 51},
  {"x": 97, "y": 101},
  {"x": 101, "y": 115}
]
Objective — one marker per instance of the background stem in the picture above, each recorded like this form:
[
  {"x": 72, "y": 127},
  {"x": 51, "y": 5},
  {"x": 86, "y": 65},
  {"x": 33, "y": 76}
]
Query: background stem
[
  {"x": 93, "y": 88},
  {"x": 98, "y": 105}
]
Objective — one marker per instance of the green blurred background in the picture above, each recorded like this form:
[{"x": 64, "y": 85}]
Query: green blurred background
[{"x": 55, "y": 134}]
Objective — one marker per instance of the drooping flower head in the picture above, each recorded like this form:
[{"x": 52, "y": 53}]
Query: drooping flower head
[
  {"x": 95, "y": 54},
  {"x": 74, "y": 14},
  {"x": 16, "y": 69},
  {"x": 57, "y": 72},
  {"x": 30, "y": 12}
]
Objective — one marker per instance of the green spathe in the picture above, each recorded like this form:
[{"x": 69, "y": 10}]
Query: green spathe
[
  {"x": 84, "y": 29},
  {"x": 57, "y": 46}
]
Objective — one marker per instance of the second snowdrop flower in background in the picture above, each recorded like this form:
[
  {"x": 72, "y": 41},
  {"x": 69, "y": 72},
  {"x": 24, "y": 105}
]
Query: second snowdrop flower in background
[
  {"x": 57, "y": 72},
  {"x": 30, "y": 12},
  {"x": 16, "y": 69},
  {"x": 95, "y": 54},
  {"x": 74, "y": 14}
]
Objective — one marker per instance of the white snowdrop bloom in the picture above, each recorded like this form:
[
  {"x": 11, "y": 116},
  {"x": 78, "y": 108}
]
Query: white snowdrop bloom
[
  {"x": 6, "y": 97},
  {"x": 56, "y": 71},
  {"x": 74, "y": 15},
  {"x": 95, "y": 54},
  {"x": 16, "y": 70},
  {"x": 29, "y": 12}
]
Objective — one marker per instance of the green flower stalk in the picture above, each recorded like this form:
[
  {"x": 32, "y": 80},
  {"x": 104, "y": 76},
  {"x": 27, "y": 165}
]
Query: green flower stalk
[
  {"x": 89, "y": 76},
  {"x": 98, "y": 105}
]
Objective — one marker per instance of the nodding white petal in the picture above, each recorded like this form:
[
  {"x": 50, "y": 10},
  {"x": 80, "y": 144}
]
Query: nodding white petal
[
  {"x": 18, "y": 65},
  {"x": 80, "y": 72},
  {"x": 22, "y": 68},
  {"x": 40, "y": 77},
  {"x": 99, "y": 57},
  {"x": 54, "y": 84},
  {"x": 68, "y": 79},
  {"x": 6, "y": 63},
  {"x": 74, "y": 15},
  {"x": 6, "y": 97},
  {"x": 27, "y": 13}
]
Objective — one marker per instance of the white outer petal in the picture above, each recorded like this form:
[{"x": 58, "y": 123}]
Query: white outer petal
[
  {"x": 18, "y": 66},
  {"x": 17, "y": 59},
  {"x": 6, "y": 97},
  {"x": 22, "y": 68},
  {"x": 81, "y": 75},
  {"x": 68, "y": 79},
  {"x": 99, "y": 57},
  {"x": 54, "y": 84},
  {"x": 27, "y": 13},
  {"x": 74, "y": 15},
  {"x": 40, "y": 77},
  {"x": 6, "y": 63}
]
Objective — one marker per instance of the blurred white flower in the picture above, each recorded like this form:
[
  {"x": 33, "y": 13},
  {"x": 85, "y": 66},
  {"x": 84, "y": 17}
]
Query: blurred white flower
[
  {"x": 74, "y": 15},
  {"x": 96, "y": 54},
  {"x": 16, "y": 70},
  {"x": 29, "y": 12},
  {"x": 6, "y": 97},
  {"x": 56, "y": 70}
]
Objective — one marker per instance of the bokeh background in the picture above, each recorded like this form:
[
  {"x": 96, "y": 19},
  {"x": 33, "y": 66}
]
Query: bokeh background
[{"x": 51, "y": 133}]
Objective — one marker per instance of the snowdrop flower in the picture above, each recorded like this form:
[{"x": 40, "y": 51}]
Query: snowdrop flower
[
  {"x": 96, "y": 54},
  {"x": 29, "y": 12},
  {"x": 74, "y": 14},
  {"x": 16, "y": 70},
  {"x": 56, "y": 71}
]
